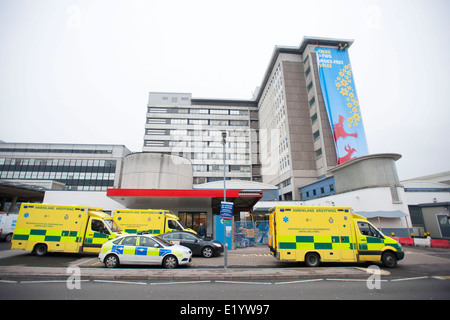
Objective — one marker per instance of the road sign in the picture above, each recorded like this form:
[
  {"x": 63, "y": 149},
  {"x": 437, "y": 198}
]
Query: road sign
[{"x": 226, "y": 210}]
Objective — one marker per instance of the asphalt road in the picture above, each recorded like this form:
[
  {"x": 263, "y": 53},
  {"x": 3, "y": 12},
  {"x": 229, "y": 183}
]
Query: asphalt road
[
  {"x": 423, "y": 274},
  {"x": 313, "y": 289}
]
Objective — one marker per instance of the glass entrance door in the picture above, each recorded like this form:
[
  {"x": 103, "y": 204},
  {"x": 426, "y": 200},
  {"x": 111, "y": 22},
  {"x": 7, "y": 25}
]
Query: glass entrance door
[{"x": 192, "y": 219}]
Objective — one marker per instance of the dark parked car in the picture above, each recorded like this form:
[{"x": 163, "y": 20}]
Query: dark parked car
[{"x": 199, "y": 246}]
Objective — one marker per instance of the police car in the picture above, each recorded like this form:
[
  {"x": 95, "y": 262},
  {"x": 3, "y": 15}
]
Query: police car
[{"x": 143, "y": 249}]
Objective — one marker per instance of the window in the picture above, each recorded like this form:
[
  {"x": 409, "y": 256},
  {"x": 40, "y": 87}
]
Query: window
[
  {"x": 318, "y": 153},
  {"x": 310, "y": 85},
  {"x": 308, "y": 71},
  {"x": 173, "y": 224},
  {"x": 148, "y": 242},
  {"x": 197, "y": 121},
  {"x": 189, "y": 237},
  {"x": 98, "y": 226},
  {"x": 238, "y": 123},
  {"x": 219, "y": 122},
  {"x": 312, "y": 101},
  {"x": 129, "y": 241},
  {"x": 179, "y": 121},
  {"x": 157, "y": 121},
  {"x": 198, "y": 111},
  {"x": 314, "y": 118},
  {"x": 151, "y": 143},
  {"x": 367, "y": 230},
  {"x": 218, "y": 111},
  {"x": 156, "y": 132},
  {"x": 316, "y": 135}
]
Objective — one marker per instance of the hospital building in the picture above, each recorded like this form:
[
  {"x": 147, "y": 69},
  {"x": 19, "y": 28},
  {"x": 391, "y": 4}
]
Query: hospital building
[{"x": 298, "y": 140}]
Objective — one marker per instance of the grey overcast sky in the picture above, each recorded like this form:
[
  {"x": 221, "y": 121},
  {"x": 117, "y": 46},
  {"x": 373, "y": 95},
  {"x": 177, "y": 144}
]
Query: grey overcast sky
[{"x": 79, "y": 71}]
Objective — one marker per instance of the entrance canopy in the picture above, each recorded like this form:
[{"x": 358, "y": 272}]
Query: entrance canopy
[
  {"x": 382, "y": 214},
  {"x": 180, "y": 198}
]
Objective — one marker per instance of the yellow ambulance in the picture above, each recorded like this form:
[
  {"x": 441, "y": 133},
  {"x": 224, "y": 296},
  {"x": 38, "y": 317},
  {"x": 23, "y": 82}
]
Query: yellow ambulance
[
  {"x": 328, "y": 234},
  {"x": 43, "y": 228},
  {"x": 149, "y": 221}
]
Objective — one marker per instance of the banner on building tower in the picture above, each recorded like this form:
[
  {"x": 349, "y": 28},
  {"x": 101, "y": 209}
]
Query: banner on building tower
[{"x": 341, "y": 102}]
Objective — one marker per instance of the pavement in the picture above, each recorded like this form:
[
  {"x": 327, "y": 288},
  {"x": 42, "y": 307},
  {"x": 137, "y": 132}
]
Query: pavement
[{"x": 243, "y": 264}]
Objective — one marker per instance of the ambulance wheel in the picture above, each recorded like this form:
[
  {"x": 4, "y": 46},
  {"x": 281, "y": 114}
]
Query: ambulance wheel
[
  {"x": 111, "y": 261},
  {"x": 40, "y": 249},
  {"x": 170, "y": 262},
  {"x": 312, "y": 259},
  {"x": 389, "y": 260}
]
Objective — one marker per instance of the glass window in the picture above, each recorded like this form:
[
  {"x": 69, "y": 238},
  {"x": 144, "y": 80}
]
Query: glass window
[
  {"x": 173, "y": 224},
  {"x": 367, "y": 230},
  {"x": 129, "y": 241},
  {"x": 148, "y": 242},
  {"x": 98, "y": 226},
  {"x": 189, "y": 237},
  {"x": 173, "y": 236}
]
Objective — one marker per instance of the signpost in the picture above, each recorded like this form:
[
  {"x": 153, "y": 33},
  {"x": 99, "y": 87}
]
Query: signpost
[{"x": 226, "y": 214}]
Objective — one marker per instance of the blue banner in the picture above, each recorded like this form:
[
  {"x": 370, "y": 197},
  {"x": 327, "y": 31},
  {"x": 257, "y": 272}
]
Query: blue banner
[{"x": 341, "y": 102}]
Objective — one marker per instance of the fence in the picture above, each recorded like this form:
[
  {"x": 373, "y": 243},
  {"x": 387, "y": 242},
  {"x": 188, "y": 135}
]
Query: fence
[{"x": 251, "y": 233}]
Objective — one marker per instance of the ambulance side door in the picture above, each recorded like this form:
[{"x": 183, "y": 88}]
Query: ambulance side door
[{"x": 370, "y": 242}]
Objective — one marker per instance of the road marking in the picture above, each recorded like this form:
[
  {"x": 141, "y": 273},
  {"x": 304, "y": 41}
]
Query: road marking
[
  {"x": 8, "y": 281},
  {"x": 352, "y": 280},
  {"x": 407, "y": 279},
  {"x": 441, "y": 277},
  {"x": 81, "y": 261},
  {"x": 49, "y": 281},
  {"x": 380, "y": 272},
  {"x": 121, "y": 282},
  {"x": 241, "y": 282},
  {"x": 299, "y": 281},
  {"x": 183, "y": 282}
]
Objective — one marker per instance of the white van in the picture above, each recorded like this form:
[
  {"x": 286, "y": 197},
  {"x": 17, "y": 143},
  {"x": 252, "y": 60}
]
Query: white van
[{"x": 7, "y": 225}]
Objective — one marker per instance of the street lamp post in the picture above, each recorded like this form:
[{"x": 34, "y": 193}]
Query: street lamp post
[{"x": 224, "y": 141}]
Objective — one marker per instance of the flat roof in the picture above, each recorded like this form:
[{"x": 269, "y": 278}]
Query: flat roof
[{"x": 186, "y": 198}]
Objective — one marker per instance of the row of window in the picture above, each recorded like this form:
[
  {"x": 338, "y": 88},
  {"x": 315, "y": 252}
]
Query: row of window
[
  {"x": 322, "y": 191},
  {"x": 196, "y": 133},
  {"x": 212, "y": 156},
  {"x": 205, "y": 122},
  {"x": 312, "y": 103},
  {"x": 45, "y": 175},
  {"x": 195, "y": 144},
  {"x": 55, "y": 162},
  {"x": 219, "y": 168},
  {"x": 197, "y": 111},
  {"x": 42, "y": 150},
  {"x": 76, "y": 174}
]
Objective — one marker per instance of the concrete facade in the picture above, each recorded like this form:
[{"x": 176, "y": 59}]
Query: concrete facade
[{"x": 156, "y": 171}]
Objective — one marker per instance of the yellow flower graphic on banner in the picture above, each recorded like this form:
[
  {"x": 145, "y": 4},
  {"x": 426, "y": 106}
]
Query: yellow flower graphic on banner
[{"x": 344, "y": 86}]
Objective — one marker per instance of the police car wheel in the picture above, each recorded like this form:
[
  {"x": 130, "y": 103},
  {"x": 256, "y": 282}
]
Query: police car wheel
[
  {"x": 207, "y": 252},
  {"x": 389, "y": 260},
  {"x": 312, "y": 260},
  {"x": 111, "y": 261},
  {"x": 170, "y": 262}
]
